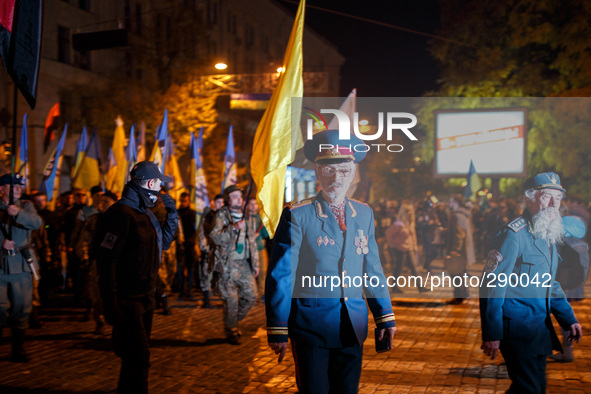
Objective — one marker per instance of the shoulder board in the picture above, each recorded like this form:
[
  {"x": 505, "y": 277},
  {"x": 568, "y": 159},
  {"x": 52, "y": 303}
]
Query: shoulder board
[
  {"x": 358, "y": 202},
  {"x": 518, "y": 224},
  {"x": 302, "y": 203}
]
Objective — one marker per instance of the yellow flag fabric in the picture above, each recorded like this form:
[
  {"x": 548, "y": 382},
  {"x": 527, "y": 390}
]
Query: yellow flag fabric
[
  {"x": 119, "y": 154},
  {"x": 274, "y": 143},
  {"x": 111, "y": 170},
  {"x": 89, "y": 173}
]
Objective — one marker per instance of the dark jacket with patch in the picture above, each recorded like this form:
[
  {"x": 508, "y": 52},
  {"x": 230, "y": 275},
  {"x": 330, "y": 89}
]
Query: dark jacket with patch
[
  {"x": 520, "y": 292},
  {"x": 128, "y": 245}
]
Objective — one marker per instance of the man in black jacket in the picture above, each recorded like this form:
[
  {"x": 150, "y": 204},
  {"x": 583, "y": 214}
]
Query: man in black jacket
[{"x": 129, "y": 243}]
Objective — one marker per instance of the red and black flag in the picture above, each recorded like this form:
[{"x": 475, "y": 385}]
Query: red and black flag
[
  {"x": 51, "y": 125},
  {"x": 20, "y": 43}
]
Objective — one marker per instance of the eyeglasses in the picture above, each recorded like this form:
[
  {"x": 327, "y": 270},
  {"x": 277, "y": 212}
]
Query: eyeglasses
[{"x": 329, "y": 171}]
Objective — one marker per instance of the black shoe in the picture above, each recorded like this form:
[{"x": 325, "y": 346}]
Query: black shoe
[
  {"x": 233, "y": 339},
  {"x": 455, "y": 301},
  {"x": 18, "y": 352},
  {"x": 165, "y": 309}
]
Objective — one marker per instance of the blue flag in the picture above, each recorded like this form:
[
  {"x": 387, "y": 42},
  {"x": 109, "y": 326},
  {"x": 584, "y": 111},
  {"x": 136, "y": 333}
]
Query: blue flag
[
  {"x": 197, "y": 179},
  {"x": 131, "y": 151},
  {"x": 51, "y": 174},
  {"x": 229, "y": 163},
  {"x": 473, "y": 183}
]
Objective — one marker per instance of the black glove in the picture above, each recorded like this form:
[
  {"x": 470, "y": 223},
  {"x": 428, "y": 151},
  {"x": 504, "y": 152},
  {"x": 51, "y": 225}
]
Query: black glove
[{"x": 168, "y": 202}]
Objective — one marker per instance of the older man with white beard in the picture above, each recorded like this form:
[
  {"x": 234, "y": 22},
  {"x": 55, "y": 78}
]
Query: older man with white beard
[{"x": 519, "y": 291}]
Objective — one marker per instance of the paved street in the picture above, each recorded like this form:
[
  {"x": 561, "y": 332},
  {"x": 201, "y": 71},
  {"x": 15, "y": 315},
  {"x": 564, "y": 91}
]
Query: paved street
[{"x": 437, "y": 350}]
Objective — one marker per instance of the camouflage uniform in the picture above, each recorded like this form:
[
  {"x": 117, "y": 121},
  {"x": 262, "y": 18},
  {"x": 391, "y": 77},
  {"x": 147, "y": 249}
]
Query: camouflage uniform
[
  {"x": 235, "y": 266},
  {"x": 206, "y": 262}
]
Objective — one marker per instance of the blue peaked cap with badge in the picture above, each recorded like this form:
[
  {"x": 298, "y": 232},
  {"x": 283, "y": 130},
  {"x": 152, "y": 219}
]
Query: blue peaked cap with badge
[
  {"x": 16, "y": 180},
  {"x": 326, "y": 147},
  {"x": 545, "y": 180}
]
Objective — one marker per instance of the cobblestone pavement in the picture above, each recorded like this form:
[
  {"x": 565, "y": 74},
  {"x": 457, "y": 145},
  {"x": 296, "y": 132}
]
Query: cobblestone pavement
[{"x": 437, "y": 350}]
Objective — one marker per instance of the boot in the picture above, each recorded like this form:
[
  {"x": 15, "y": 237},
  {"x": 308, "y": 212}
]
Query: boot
[
  {"x": 165, "y": 309},
  {"x": 206, "y": 303},
  {"x": 18, "y": 352},
  {"x": 34, "y": 321}
]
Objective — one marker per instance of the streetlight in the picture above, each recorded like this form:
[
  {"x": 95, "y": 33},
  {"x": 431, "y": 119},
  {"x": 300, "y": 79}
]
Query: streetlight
[{"x": 221, "y": 66}]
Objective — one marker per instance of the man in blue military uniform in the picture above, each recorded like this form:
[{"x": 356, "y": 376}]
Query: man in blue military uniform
[
  {"x": 330, "y": 239},
  {"x": 519, "y": 291}
]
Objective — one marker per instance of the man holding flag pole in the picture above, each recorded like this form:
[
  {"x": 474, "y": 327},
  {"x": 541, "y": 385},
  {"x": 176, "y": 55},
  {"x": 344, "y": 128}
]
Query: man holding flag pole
[{"x": 325, "y": 235}]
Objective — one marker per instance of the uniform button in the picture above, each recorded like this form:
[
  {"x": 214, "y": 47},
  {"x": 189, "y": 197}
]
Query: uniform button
[
  {"x": 346, "y": 298},
  {"x": 345, "y": 286}
]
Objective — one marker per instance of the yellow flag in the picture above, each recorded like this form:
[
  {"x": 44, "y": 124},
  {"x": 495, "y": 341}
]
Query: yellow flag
[
  {"x": 119, "y": 154},
  {"x": 274, "y": 143}
]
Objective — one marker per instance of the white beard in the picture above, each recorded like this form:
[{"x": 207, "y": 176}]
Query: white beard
[
  {"x": 336, "y": 193},
  {"x": 549, "y": 229}
]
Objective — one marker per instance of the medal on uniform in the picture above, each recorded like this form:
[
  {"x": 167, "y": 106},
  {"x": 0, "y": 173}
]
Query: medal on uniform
[{"x": 361, "y": 242}]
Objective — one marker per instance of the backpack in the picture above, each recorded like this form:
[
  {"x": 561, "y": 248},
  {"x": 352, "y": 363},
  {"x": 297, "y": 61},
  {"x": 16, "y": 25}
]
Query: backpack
[{"x": 573, "y": 269}]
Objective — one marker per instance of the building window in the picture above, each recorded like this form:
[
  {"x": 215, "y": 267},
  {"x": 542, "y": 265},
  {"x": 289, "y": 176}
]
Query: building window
[
  {"x": 249, "y": 36},
  {"x": 212, "y": 12},
  {"x": 265, "y": 44},
  {"x": 138, "y": 19},
  {"x": 128, "y": 65},
  {"x": 63, "y": 44},
  {"x": 84, "y": 5},
  {"x": 82, "y": 59}
]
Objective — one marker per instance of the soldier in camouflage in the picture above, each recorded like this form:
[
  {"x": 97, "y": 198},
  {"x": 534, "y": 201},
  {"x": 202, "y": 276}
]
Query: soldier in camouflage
[
  {"x": 206, "y": 261},
  {"x": 236, "y": 261}
]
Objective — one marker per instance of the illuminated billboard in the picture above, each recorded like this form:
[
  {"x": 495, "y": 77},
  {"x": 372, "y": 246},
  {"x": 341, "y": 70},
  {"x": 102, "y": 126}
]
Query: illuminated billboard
[{"x": 494, "y": 139}]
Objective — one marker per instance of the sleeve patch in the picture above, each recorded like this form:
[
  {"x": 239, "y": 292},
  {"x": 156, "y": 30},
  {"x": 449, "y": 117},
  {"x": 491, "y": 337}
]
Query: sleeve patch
[
  {"x": 492, "y": 261},
  {"x": 109, "y": 241}
]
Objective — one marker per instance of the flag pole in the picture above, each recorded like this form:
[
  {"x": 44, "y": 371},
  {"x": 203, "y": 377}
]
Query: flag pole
[{"x": 13, "y": 158}]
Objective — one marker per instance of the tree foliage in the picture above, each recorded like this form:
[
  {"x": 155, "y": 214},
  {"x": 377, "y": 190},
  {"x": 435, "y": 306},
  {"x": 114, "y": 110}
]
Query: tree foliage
[{"x": 521, "y": 48}]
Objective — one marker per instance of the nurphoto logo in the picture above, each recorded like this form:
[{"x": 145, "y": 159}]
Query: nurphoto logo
[{"x": 392, "y": 124}]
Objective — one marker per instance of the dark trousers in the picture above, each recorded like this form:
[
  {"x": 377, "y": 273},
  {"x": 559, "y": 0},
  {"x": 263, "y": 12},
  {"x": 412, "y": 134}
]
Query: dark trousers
[
  {"x": 402, "y": 259},
  {"x": 16, "y": 299},
  {"x": 322, "y": 370},
  {"x": 527, "y": 370},
  {"x": 131, "y": 337}
]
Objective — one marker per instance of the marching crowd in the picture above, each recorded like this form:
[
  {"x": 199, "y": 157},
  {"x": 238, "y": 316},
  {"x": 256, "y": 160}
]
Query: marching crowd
[
  {"x": 410, "y": 235},
  {"x": 112, "y": 252}
]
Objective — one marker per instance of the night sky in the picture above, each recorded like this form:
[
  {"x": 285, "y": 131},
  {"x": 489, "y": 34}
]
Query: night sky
[{"x": 380, "y": 61}]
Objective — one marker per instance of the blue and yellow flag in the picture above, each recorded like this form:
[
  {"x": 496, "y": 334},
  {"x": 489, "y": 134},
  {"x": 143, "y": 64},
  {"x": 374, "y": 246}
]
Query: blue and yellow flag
[
  {"x": 141, "y": 143},
  {"x": 22, "y": 156},
  {"x": 51, "y": 173},
  {"x": 89, "y": 173},
  {"x": 177, "y": 186},
  {"x": 473, "y": 182},
  {"x": 80, "y": 150},
  {"x": 274, "y": 145},
  {"x": 110, "y": 169},
  {"x": 117, "y": 182},
  {"x": 197, "y": 183},
  {"x": 131, "y": 152},
  {"x": 229, "y": 175},
  {"x": 158, "y": 155}
]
